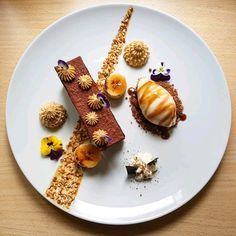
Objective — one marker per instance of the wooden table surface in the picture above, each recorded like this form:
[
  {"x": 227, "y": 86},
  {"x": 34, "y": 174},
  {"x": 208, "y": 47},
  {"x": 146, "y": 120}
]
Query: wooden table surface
[{"x": 24, "y": 212}]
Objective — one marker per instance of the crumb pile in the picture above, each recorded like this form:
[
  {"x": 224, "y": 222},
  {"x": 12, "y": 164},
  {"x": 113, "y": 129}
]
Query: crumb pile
[{"x": 67, "y": 179}]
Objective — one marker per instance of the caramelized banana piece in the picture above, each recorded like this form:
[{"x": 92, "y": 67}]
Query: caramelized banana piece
[
  {"x": 88, "y": 155},
  {"x": 115, "y": 86}
]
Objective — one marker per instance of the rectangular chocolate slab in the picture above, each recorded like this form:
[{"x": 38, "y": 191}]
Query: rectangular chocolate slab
[{"x": 79, "y": 97}]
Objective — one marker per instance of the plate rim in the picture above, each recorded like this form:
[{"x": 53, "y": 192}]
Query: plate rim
[{"x": 227, "y": 93}]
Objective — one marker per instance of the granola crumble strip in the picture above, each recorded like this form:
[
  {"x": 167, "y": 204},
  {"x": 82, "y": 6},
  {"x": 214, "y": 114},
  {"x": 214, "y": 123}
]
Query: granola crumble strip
[
  {"x": 66, "y": 181},
  {"x": 115, "y": 51}
]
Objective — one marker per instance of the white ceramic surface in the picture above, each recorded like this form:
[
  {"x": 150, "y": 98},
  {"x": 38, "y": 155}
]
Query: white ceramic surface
[{"x": 186, "y": 161}]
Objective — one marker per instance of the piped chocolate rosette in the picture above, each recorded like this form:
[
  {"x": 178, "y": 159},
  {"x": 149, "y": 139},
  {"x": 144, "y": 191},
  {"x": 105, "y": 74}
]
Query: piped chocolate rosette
[{"x": 155, "y": 103}]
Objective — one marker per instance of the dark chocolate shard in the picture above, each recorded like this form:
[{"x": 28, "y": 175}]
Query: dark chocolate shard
[
  {"x": 154, "y": 161},
  {"x": 131, "y": 170}
]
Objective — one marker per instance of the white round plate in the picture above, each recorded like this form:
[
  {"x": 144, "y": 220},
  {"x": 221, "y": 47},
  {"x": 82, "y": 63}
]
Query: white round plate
[{"x": 186, "y": 161}]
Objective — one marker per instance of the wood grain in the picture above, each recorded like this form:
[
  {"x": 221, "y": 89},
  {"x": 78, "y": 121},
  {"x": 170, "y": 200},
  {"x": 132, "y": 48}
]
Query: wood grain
[{"x": 24, "y": 212}]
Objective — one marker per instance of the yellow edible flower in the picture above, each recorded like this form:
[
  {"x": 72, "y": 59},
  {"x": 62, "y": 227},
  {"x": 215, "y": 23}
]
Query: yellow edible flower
[{"x": 48, "y": 144}]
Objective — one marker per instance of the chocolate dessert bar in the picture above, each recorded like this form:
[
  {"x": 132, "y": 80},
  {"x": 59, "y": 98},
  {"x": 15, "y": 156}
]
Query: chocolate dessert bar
[{"x": 79, "y": 97}]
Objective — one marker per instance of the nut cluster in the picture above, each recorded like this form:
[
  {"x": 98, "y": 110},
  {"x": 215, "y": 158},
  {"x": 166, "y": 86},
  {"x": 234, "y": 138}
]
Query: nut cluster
[
  {"x": 66, "y": 181},
  {"x": 115, "y": 51}
]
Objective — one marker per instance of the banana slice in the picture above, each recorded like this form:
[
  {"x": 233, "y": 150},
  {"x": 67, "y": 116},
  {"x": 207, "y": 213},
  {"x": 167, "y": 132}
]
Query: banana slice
[
  {"x": 115, "y": 85},
  {"x": 88, "y": 155}
]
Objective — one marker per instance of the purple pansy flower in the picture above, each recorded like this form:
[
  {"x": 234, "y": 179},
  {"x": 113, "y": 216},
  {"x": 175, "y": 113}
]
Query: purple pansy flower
[
  {"x": 160, "y": 74},
  {"x": 104, "y": 100},
  {"x": 55, "y": 155},
  {"x": 62, "y": 64}
]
